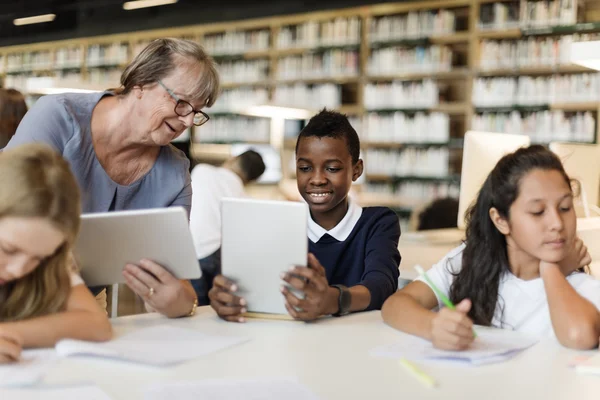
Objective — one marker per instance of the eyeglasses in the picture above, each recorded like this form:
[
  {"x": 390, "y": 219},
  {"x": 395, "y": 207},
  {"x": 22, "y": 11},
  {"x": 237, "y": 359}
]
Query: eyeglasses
[{"x": 183, "y": 108}]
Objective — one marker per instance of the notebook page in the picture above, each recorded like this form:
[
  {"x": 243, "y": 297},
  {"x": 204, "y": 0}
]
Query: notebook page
[
  {"x": 32, "y": 366},
  {"x": 490, "y": 346},
  {"x": 58, "y": 393},
  {"x": 159, "y": 345},
  {"x": 247, "y": 389},
  {"x": 590, "y": 365}
]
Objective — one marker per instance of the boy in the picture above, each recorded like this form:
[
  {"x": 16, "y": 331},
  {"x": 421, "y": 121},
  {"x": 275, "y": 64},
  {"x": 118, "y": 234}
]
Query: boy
[
  {"x": 353, "y": 260},
  {"x": 210, "y": 185}
]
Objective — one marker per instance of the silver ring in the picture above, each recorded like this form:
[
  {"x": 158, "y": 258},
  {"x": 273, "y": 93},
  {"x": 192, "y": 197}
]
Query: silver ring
[{"x": 151, "y": 292}]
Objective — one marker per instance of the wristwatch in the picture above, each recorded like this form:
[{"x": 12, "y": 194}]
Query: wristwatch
[{"x": 344, "y": 300}]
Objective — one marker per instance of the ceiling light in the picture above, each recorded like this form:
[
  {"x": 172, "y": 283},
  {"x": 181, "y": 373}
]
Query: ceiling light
[
  {"x": 38, "y": 19},
  {"x": 134, "y": 5}
]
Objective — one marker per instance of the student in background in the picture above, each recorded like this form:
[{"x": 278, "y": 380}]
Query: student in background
[
  {"x": 210, "y": 185},
  {"x": 42, "y": 299},
  {"x": 12, "y": 110},
  {"x": 440, "y": 214},
  {"x": 353, "y": 260},
  {"x": 519, "y": 268}
]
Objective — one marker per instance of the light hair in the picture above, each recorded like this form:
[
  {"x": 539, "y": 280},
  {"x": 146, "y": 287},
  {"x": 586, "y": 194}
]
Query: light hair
[
  {"x": 161, "y": 56},
  {"x": 35, "y": 181}
]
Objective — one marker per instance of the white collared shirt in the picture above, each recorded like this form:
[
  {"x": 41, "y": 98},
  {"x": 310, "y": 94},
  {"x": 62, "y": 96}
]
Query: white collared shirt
[
  {"x": 210, "y": 184},
  {"x": 342, "y": 230}
]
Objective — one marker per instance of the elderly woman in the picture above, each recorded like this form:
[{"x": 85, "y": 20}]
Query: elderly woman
[{"x": 118, "y": 146}]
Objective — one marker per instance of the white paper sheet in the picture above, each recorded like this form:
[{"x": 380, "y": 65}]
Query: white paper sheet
[
  {"x": 230, "y": 389},
  {"x": 160, "y": 345},
  {"x": 55, "y": 393},
  {"x": 490, "y": 346},
  {"x": 29, "y": 369}
]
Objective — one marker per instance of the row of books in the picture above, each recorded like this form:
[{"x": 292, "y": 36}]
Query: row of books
[
  {"x": 310, "y": 97},
  {"x": 499, "y": 15},
  {"x": 413, "y": 193},
  {"x": 525, "y": 90},
  {"x": 415, "y": 24},
  {"x": 401, "y": 94},
  {"x": 332, "y": 63},
  {"x": 535, "y": 13},
  {"x": 541, "y": 126},
  {"x": 103, "y": 54},
  {"x": 400, "y": 127},
  {"x": 233, "y": 129},
  {"x": 430, "y": 162},
  {"x": 534, "y": 51},
  {"x": 246, "y": 71},
  {"x": 398, "y": 60},
  {"x": 236, "y": 42},
  {"x": 339, "y": 31},
  {"x": 234, "y": 100}
]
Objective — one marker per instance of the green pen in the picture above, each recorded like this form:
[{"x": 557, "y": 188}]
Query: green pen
[{"x": 438, "y": 292}]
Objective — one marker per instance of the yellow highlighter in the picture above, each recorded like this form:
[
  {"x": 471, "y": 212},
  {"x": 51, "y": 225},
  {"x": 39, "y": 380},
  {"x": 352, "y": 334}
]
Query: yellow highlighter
[{"x": 418, "y": 373}]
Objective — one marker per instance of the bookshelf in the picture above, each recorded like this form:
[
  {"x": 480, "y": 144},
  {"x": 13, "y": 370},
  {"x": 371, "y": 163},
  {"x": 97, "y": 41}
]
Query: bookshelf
[{"x": 412, "y": 76}]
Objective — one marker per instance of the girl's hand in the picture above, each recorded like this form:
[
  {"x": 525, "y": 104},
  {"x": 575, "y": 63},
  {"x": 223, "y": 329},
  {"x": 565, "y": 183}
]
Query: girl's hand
[
  {"x": 453, "y": 329},
  {"x": 10, "y": 345}
]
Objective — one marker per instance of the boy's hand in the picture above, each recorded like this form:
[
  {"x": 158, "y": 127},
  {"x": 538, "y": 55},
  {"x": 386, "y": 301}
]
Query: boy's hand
[
  {"x": 577, "y": 257},
  {"x": 313, "y": 282},
  {"x": 10, "y": 345},
  {"x": 223, "y": 300},
  {"x": 453, "y": 329}
]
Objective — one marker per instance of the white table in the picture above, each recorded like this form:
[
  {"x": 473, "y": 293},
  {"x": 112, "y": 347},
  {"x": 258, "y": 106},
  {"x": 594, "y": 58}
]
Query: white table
[{"x": 331, "y": 357}]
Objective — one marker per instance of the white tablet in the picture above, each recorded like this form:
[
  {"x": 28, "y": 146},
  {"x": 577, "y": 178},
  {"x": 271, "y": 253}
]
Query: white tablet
[
  {"x": 261, "y": 239},
  {"x": 108, "y": 241}
]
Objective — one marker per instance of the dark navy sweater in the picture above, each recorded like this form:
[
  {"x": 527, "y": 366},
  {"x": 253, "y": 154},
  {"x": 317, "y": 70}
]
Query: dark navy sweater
[{"x": 368, "y": 257}]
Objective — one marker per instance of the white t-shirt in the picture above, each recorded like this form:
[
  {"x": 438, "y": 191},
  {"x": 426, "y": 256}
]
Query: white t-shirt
[
  {"x": 522, "y": 305},
  {"x": 209, "y": 185}
]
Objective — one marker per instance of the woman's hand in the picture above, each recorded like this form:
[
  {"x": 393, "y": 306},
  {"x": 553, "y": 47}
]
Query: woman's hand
[
  {"x": 224, "y": 301},
  {"x": 160, "y": 290},
  {"x": 578, "y": 257},
  {"x": 312, "y": 282},
  {"x": 10, "y": 345},
  {"x": 453, "y": 329}
]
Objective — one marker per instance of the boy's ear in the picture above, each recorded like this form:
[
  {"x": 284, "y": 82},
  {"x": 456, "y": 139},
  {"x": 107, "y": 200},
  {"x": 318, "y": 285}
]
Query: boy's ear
[
  {"x": 499, "y": 221},
  {"x": 357, "y": 170}
]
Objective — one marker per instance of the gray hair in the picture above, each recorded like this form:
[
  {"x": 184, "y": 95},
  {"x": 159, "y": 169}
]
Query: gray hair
[{"x": 159, "y": 58}]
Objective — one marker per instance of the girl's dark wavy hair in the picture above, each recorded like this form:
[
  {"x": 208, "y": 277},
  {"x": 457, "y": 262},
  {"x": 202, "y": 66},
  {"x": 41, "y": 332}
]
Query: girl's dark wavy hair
[{"x": 485, "y": 258}]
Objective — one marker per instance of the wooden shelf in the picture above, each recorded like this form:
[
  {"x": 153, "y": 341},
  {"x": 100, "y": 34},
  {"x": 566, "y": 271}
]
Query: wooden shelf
[
  {"x": 512, "y": 33},
  {"x": 447, "y": 108},
  {"x": 581, "y": 106},
  {"x": 234, "y": 85},
  {"x": 390, "y": 145},
  {"x": 452, "y": 74},
  {"x": 370, "y": 199},
  {"x": 250, "y": 55},
  {"x": 292, "y": 51},
  {"x": 457, "y": 37},
  {"x": 333, "y": 79},
  {"x": 394, "y": 178},
  {"x": 541, "y": 70}
]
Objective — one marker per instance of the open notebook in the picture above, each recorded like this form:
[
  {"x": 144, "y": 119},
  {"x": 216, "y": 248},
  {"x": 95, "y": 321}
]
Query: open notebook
[
  {"x": 490, "y": 346},
  {"x": 159, "y": 346}
]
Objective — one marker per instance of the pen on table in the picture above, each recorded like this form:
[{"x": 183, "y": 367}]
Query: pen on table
[
  {"x": 438, "y": 292},
  {"x": 418, "y": 373}
]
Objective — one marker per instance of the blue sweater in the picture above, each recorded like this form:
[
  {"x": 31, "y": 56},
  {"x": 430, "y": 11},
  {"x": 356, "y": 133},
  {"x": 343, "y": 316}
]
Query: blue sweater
[{"x": 368, "y": 257}]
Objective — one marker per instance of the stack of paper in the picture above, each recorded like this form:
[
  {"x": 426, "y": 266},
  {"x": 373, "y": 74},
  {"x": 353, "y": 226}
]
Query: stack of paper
[
  {"x": 490, "y": 346},
  {"x": 256, "y": 389},
  {"x": 55, "y": 393},
  {"x": 29, "y": 369},
  {"x": 159, "y": 346}
]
